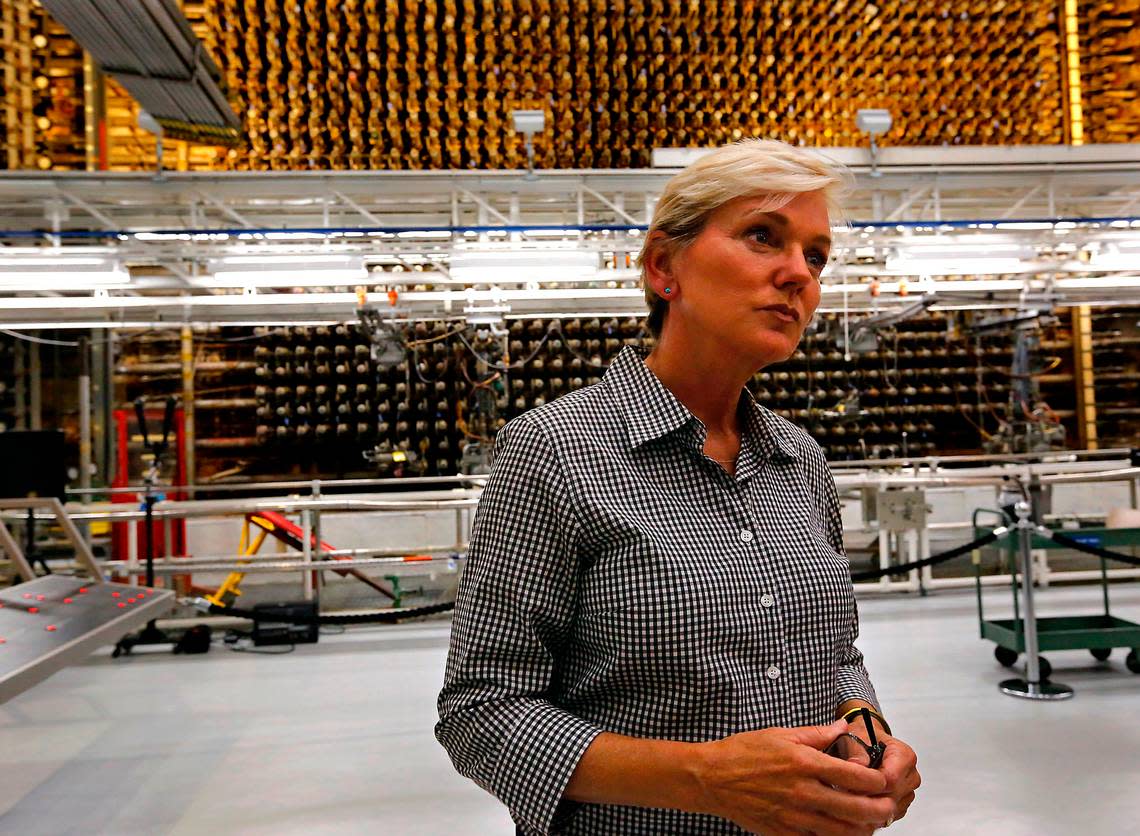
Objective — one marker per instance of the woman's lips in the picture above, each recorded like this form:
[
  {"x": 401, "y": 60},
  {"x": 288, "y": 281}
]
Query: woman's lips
[{"x": 783, "y": 312}]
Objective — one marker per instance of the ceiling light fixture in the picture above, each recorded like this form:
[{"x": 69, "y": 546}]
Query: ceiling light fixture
[
  {"x": 58, "y": 274},
  {"x": 546, "y": 265},
  {"x": 961, "y": 266},
  {"x": 284, "y": 271}
]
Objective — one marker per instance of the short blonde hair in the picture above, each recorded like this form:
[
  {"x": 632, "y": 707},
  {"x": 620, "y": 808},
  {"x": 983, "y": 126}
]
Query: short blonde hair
[{"x": 750, "y": 167}]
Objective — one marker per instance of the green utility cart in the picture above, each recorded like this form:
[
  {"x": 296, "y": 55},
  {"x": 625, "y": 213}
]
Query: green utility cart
[{"x": 1098, "y": 634}]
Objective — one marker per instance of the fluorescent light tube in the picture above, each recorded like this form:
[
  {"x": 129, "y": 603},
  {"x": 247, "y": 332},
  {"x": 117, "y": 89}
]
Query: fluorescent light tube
[
  {"x": 267, "y": 260},
  {"x": 286, "y": 278},
  {"x": 33, "y": 262},
  {"x": 38, "y": 280},
  {"x": 293, "y": 270},
  {"x": 960, "y": 266},
  {"x": 545, "y": 265}
]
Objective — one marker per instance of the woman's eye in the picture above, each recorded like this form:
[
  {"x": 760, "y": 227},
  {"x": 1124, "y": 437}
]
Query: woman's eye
[
  {"x": 762, "y": 235},
  {"x": 817, "y": 260}
]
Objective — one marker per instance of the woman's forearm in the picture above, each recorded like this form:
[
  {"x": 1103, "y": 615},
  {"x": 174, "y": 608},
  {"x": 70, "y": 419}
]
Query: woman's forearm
[
  {"x": 639, "y": 772},
  {"x": 774, "y": 779}
]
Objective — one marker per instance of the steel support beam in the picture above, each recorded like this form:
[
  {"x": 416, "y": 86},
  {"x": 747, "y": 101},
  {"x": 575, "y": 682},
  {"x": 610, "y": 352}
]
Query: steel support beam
[
  {"x": 620, "y": 212},
  {"x": 227, "y": 211},
  {"x": 485, "y": 206},
  {"x": 97, "y": 214},
  {"x": 915, "y": 195},
  {"x": 375, "y": 220},
  {"x": 1013, "y": 210}
]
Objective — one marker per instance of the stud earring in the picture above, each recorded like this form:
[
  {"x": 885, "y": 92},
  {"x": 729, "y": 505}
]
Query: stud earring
[{"x": 668, "y": 290}]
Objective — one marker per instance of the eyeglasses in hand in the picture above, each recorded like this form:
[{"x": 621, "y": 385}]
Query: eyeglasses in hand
[{"x": 848, "y": 747}]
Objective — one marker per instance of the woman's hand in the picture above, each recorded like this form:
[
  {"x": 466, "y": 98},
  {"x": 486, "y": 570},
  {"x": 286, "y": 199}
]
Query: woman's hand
[
  {"x": 779, "y": 781},
  {"x": 900, "y": 768}
]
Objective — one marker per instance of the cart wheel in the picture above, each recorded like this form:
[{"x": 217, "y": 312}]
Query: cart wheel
[
  {"x": 1101, "y": 654},
  {"x": 1132, "y": 661},
  {"x": 1043, "y": 667},
  {"x": 1005, "y": 656}
]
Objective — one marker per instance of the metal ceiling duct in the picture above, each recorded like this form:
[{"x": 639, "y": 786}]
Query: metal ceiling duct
[{"x": 149, "y": 47}]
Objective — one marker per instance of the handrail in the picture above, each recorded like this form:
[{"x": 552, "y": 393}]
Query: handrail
[
  {"x": 994, "y": 458},
  {"x": 1098, "y": 476},
  {"x": 185, "y": 509},
  {"x": 308, "y": 484},
  {"x": 57, "y": 512}
]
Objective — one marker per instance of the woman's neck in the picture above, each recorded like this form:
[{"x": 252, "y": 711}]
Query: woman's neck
[{"x": 703, "y": 383}]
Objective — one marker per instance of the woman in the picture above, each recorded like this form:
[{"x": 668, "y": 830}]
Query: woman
[{"x": 654, "y": 631}]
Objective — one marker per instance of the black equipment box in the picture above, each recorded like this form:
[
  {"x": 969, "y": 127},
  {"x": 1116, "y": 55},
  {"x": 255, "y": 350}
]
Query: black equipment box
[
  {"x": 277, "y": 623},
  {"x": 32, "y": 463}
]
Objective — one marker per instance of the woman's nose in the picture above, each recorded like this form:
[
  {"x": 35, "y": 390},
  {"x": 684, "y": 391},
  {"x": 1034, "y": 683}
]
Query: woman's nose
[{"x": 793, "y": 269}]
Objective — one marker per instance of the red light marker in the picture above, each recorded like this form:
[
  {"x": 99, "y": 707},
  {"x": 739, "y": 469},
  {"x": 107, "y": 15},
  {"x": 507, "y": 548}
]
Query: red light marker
[
  {"x": 68, "y": 601},
  {"x": 122, "y": 605},
  {"x": 40, "y": 597},
  {"x": 51, "y": 628},
  {"x": 115, "y": 594},
  {"x": 28, "y": 596},
  {"x": 130, "y": 600},
  {"x": 33, "y": 610},
  {"x": 83, "y": 590}
]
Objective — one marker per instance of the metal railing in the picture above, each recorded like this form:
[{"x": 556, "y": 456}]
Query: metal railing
[
  {"x": 310, "y": 562},
  {"x": 1064, "y": 469}
]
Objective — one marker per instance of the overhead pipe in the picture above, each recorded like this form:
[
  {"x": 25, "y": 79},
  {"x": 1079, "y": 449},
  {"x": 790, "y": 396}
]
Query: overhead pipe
[
  {"x": 225, "y": 403},
  {"x": 176, "y": 366},
  {"x": 225, "y": 443}
]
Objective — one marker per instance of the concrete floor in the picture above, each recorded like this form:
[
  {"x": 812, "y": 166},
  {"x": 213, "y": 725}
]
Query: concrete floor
[{"x": 337, "y": 737}]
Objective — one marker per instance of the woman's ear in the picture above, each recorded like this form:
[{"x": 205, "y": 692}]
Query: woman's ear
[{"x": 659, "y": 267}]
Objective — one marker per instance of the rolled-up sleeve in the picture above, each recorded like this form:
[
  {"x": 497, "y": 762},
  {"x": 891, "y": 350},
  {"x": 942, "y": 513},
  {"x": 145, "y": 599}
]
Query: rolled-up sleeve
[
  {"x": 854, "y": 683},
  {"x": 513, "y": 614}
]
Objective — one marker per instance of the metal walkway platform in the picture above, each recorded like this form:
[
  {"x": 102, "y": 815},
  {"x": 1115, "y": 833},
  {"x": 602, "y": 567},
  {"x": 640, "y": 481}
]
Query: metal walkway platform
[{"x": 54, "y": 621}]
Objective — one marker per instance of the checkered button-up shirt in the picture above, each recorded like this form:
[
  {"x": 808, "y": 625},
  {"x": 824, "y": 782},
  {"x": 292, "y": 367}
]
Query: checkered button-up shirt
[{"x": 620, "y": 580}]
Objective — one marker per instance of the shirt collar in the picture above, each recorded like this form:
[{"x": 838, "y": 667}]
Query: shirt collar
[
  {"x": 773, "y": 436},
  {"x": 651, "y": 411}
]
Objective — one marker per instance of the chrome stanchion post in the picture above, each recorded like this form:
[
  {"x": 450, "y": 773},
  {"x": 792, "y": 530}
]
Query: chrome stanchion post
[
  {"x": 317, "y": 577},
  {"x": 307, "y": 551},
  {"x": 1032, "y": 687},
  {"x": 1025, "y": 557},
  {"x": 85, "y": 428}
]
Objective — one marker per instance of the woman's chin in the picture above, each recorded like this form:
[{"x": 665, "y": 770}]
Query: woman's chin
[{"x": 772, "y": 348}]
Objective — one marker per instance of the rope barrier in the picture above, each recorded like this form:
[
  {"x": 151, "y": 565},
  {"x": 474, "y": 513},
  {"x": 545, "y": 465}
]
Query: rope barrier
[
  {"x": 1077, "y": 545},
  {"x": 942, "y": 557},
  {"x": 396, "y": 616},
  {"x": 379, "y": 617}
]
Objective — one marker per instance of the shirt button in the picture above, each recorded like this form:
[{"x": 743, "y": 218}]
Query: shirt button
[
  {"x": 767, "y": 600},
  {"x": 745, "y": 536},
  {"x": 773, "y": 672}
]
